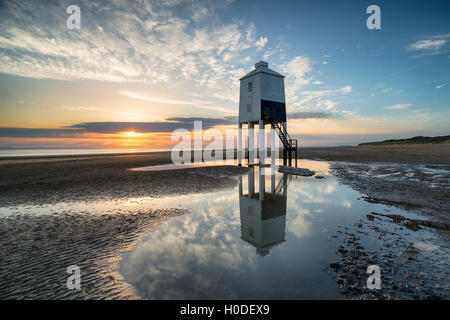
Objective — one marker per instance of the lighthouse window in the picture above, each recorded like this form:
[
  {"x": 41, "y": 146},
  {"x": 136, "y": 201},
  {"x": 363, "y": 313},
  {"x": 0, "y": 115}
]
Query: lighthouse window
[
  {"x": 250, "y": 86},
  {"x": 249, "y": 107}
]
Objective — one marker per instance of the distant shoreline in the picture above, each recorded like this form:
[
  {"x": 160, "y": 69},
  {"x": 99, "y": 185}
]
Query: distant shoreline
[
  {"x": 80, "y": 155},
  {"x": 413, "y": 140}
]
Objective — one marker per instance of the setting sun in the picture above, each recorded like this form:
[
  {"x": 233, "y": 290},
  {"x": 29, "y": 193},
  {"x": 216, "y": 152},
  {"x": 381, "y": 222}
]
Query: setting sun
[{"x": 132, "y": 134}]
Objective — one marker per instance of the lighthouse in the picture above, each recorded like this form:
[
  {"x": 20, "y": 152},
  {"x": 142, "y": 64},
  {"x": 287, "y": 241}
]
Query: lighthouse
[
  {"x": 262, "y": 102},
  {"x": 263, "y": 213}
]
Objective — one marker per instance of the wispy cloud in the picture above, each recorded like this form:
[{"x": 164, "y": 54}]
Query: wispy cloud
[
  {"x": 300, "y": 75},
  {"x": 298, "y": 69},
  {"x": 427, "y": 45},
  {"x": 327, "y": 104},
  {"x": 261, "y": 42},
  {"x": 310, "y": 115},
  {"x": 322, "y": 93},
  {"x": 78, "y": 129},
  {"x": 401, "y": 106},
  {"x": 85, "y": 108},
  {"x": 432, "y": 46},
  {"x": 202, "y": 104},
  {"x": 128, "y": 41},
  {"x": 169, "y": 125},
  {"x": 138, "y": 96}
]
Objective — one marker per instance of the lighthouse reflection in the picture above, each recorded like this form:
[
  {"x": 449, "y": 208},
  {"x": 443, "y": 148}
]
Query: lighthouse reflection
[{"x": 263, "y": 212}]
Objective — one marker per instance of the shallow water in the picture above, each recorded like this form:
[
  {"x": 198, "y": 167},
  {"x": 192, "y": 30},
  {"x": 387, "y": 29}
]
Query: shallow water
[
  {"x": 271, "y": 237},
  {"x": 173, "y": 166}
]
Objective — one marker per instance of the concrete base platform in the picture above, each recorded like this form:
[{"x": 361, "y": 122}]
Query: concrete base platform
[{"x": 296, "y": 171}]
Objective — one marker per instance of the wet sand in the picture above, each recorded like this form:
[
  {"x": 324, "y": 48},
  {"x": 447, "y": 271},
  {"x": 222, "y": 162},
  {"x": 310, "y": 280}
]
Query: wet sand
[
  {"x": 415, "y": 178},
  {"x": 421, "y": 187},
  {"x": 42, "y": 245},
  {"x": 36, "y": 251},
  {"x": 411, "y": 269},
  {"x": 50, "y": 180},
  {"x": 409, "y": 153}
]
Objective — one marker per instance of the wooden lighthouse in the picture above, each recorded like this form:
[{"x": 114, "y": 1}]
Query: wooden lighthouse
[
  {"x": 262, "y": 101},
  {"x": 263, "y": 213}
]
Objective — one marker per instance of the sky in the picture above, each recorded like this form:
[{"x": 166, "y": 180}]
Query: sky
[{"x": 138, "y": 70}]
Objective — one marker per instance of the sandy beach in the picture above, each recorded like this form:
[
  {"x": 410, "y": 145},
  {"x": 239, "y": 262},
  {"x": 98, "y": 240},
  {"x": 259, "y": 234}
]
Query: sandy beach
[
  {"x": 408, "y": 153},
  {"x": 37, "y": 246},
  {"x": 413, "y": 178},
  {"x": 47, "y": 180}
]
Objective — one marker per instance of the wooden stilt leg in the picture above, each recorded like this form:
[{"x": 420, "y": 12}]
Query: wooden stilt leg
[{"x": 239, "y": 148}]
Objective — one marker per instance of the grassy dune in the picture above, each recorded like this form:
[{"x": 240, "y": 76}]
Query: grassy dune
[{"x": 414, "y": 140}]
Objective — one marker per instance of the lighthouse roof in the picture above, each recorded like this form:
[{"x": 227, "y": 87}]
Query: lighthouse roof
[{"x": 262, "y": 67}]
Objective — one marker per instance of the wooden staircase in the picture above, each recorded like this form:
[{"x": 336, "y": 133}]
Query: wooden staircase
[{"x": 288, "y": 143}]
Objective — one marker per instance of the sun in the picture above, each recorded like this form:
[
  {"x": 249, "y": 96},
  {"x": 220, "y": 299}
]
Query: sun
[{"x": 131, "y": 134}]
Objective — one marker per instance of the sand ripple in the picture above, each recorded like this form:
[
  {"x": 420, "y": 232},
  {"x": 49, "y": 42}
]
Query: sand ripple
[{"x": 36, "y": 251}]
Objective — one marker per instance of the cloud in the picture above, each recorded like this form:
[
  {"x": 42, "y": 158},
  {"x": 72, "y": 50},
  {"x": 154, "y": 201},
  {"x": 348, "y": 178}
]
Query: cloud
[
  {"x": 153, "y": 99},
  {"x": 297, "y": 69},
  {"x": 299, "y": 72},
  {"x": 440, "y": 86},
  {"x": 309, "y": 115},
  {"x": 17, "y": 132},
  {"x": 346, "y": 89},
  {"x": 128, "y": 41},
  {"x": 401, "y": 106},
  {"x": 261, "y": 42},
  {"x": 76, "y": 130},
  {"x": 432, "y": 46},
  {"x": 194, "y": 102},
  {"x": 322, "y": 93},
  {"x": 87, "y": 108},
  {"x": 328, "y": 104},
  {"x": 169, "y": 125},
  {"x": 427, "y": 45}
]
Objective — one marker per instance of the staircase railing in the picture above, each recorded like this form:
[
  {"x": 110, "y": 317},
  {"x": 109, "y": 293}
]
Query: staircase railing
[
  {"x": 282, "y": 183},
  {"x": 285, "y": 138}
]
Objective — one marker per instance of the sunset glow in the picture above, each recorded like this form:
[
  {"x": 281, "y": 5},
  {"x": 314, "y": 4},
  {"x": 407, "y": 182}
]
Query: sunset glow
[
  {"x": 131, "y": 134},
  {"x": 98, "y": 88}
]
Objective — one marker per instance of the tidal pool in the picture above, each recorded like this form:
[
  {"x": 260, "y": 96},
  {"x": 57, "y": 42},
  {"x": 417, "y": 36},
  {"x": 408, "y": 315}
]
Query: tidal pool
[{"x": 272, "y": 237}]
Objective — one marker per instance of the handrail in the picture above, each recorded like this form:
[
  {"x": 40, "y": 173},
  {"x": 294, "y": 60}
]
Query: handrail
[{"x": 291, "y": 143}]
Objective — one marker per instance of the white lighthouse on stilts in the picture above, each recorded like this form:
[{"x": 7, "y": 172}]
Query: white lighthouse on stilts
[{"x": 262, "y": 101}]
